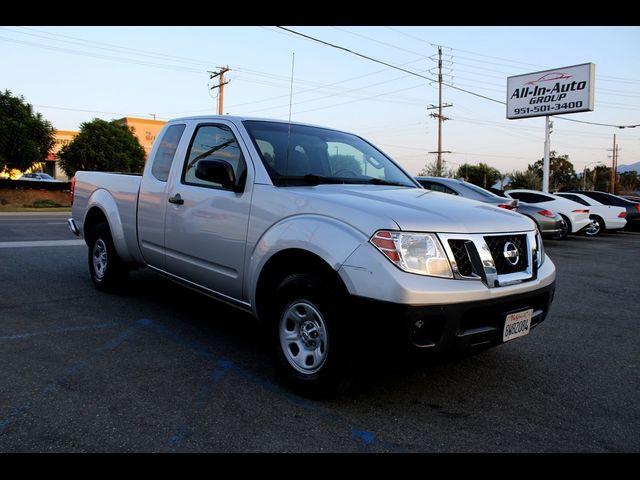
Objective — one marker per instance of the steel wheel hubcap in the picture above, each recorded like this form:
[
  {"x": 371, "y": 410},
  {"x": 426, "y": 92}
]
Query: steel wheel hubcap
[
  {"x": 99, "y": 258},
  {"x": 303, "y": 337}
]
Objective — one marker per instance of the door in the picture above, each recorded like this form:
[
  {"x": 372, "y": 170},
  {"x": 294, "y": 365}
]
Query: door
[
  {"x": 206, "y": 224},
  {"x": 152, "y": 203}
]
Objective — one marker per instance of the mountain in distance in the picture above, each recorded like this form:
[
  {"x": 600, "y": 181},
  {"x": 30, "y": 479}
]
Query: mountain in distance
[{"x": 629, "y": 168}]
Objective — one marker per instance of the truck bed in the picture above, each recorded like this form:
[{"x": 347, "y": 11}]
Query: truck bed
[{"x": 117, "y": 190}]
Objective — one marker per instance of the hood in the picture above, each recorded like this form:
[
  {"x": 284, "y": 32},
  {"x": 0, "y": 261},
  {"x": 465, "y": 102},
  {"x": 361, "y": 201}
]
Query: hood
[{"x": 412, "y": 209}]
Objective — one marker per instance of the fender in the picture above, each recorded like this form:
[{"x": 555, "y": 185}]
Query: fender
[
  {"x": 103, "y": 200},
  {"x": 326, "y": 237}
]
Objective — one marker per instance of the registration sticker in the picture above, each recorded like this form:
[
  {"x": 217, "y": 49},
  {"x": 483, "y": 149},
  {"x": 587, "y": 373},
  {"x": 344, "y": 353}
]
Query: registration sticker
[{"x": 517, "y": 325}]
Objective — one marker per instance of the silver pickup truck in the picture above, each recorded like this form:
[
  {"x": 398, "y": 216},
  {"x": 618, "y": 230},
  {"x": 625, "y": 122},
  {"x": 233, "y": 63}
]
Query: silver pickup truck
[{"x": 320, "y": 235}]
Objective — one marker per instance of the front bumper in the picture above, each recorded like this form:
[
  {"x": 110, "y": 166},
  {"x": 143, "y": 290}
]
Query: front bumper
[
  {"x": 447, "y": 328},
  {"x": 73, "y": 226}
]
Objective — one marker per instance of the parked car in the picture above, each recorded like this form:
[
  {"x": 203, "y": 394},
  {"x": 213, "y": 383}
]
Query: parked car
[
  {"x": 574, "y": 214},
  {"x": 465, "y": 189},
  {"x": 607, "y": 217},
  {"x": 549, "y": 223},
  {"x": 633, "y": 208},
  {"x": 38, "y": 177},
  {"x": 320, "y": 236},
  {"x": 631, "y": 198}
]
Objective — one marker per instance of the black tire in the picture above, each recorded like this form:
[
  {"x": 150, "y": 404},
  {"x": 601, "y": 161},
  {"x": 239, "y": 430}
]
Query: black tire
[
  {"x": 108, "y": 271},
  {"x": 316, "y": 355},
  {"x": 599, "y": 228},
  {"x": 566, "y": 229}
]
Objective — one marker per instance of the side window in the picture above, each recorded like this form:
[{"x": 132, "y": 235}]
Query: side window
[
  {"x": 542, "y": 198},
  {"x": 166, "y": 151},
  {"x": 438, "y": 187},
  {"x": 575, "y": 198},
  {"x": 525, "y": 197},
  {"x": 213, "y": 142},
  {"x": 529, "y": 197}
]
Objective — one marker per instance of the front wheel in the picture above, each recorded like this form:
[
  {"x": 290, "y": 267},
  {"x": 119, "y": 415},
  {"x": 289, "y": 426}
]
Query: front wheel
[
  {"x": 312, "y": 347},
  {"x": 108, "y": 271}
]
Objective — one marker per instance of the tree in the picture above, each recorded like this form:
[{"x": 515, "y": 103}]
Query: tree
[
  {"x": 599, "y": 177},
  {"x": 431, "y": 170},
  {"x": 103, "y": 146},
  {"x": 525, "y": 179},
  {"x": 482, "y": 174},
  {"x": 25, "y": 136},
  {"x": 561, "y": 170},
  {"x": 629, "y": 182}
]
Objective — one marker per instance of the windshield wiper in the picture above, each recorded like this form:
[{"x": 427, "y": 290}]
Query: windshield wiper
[
  {"x": 312, "y": 179},
  {"x": 380, "y": 181},
  {"x": 309, "y": 179}
]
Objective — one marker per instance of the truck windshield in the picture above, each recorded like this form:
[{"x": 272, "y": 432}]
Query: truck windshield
[{"x": 303, "y": 155}]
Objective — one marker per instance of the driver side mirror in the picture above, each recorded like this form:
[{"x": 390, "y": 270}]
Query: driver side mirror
[{"x": 218, "y": 171}]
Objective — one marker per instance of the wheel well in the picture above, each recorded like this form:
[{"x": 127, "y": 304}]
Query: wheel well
[
  {"x": 94, "y": 217},
  {"x": 285, "y": 263},
  {"x": 567, "y": 221}
]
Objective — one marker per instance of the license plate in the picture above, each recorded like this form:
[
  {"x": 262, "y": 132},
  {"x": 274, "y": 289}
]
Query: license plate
[{"x": 517, "y": 325}]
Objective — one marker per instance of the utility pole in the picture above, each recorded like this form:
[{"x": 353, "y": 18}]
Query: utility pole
[
  {"x": 439, "y": 114},
  {"x": 221, "y": 83},
  {"x": 614, "y": 165}
]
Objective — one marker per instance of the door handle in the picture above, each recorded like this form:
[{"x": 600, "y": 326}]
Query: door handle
[{"x": 176, "y": 199}]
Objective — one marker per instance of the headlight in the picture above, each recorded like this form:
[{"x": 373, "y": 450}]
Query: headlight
[{"x": 419, "y": 253}]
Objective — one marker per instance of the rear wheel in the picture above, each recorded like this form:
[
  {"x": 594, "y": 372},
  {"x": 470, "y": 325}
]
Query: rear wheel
[
  {"x": 566, "y": 228},
  {"x": 108, "y": 271},
  {"x": 311, "y": 339}
]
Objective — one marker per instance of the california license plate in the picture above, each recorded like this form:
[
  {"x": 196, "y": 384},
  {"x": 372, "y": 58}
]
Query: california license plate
[{"x": 517, "y": 325}]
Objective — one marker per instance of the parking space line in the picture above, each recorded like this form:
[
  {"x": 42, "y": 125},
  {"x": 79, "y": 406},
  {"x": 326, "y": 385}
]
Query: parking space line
[
  {"x": 20, "y": 336},
  {"x": 362, "y": 436},
  {"x": 53, "y": 386},
  {"x": 42, "y": 243},
  {"x": 183, "y": 430}
]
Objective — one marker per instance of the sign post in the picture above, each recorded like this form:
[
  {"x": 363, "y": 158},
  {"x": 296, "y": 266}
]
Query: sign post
[
  {"x": 545, "y": 163},
  {"x": 551, "y": 92}
]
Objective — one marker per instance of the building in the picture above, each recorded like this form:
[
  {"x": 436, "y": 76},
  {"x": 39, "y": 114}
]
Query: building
[
  {"x": 145, "y": 130},
  {"x": 51, "y": 166}
]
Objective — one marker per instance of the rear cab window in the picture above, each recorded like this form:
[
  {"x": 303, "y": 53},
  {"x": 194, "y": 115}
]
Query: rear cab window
[{"x": 166, "y": 151}]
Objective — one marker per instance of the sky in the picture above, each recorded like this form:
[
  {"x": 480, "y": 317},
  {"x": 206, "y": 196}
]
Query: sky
[{"x": 74, "y": 74}]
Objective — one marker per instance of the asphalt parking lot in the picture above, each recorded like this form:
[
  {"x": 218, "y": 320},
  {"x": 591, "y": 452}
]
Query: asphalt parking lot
[{"x": 160, "y": 368}]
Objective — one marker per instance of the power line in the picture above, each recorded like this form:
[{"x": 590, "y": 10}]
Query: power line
[
  {"x": 380, "y": 42},
  {"x": 105, "y": 57},
  {"x": 386, "y": 64},
  {"x": 599, "y": 124},
  {"x": 92, "y": 111},
  {"x": 107, "y": 46}
]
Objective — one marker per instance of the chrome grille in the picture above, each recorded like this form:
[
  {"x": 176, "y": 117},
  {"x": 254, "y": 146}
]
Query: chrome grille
[
  {"x": 496, "y": 246},
  {"x": 461, "y": 256}
]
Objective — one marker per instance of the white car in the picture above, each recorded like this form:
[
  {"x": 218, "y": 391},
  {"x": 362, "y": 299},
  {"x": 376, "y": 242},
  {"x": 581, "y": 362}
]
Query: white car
[
  {"x": 574, "y": 214},
  {"x": 606, "y": 217},
  {"x": 38, "y": 177}
]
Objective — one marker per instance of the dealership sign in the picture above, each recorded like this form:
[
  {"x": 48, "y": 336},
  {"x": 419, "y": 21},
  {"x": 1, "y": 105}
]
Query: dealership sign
[{"x": 551, "y": 92}]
